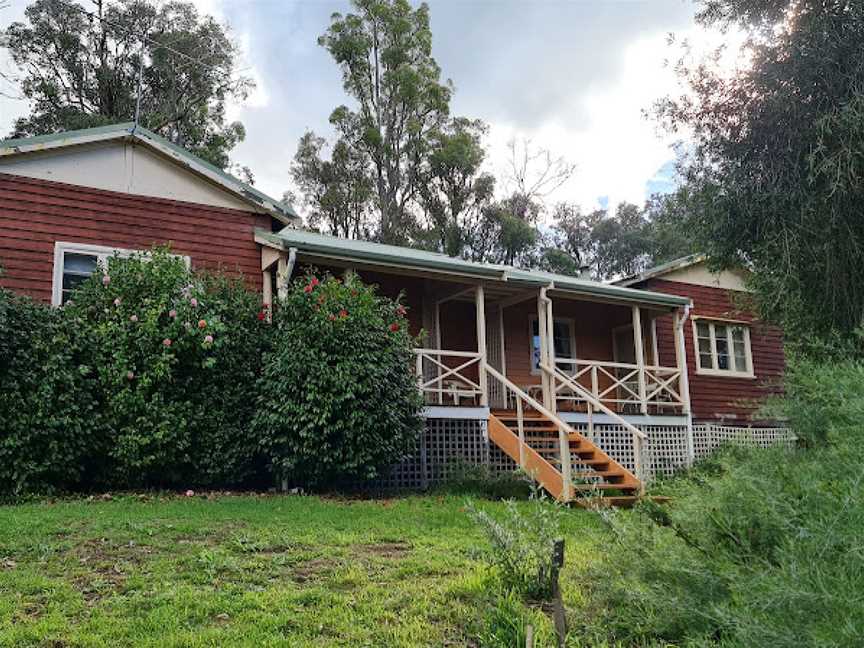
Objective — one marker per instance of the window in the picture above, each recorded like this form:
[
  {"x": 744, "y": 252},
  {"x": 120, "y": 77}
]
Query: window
[
  {"x": 74, "y": 262},
  {"x": 563, "y": 339},
  {"x": 722, "y": 348}
]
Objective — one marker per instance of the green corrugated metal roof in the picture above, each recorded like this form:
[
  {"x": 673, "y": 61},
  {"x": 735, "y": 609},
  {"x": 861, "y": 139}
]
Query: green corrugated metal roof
[
  {"x": 392, "y": 255},
  {"x": 129, "y": 129}
]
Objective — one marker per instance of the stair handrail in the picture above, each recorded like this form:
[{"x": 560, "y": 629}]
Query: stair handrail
[
  {"x": 564, "y": 429},
  {"x": 639, "y": 437}
]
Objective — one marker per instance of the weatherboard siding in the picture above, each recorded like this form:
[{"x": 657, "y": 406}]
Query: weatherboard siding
[
  {"x": 35, "y": 214},
  {"x": 720, "y": 397}
]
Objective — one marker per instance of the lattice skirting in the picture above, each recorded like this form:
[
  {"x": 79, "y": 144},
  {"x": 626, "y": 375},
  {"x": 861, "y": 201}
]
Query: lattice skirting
[{"x": 447, "y": 443}]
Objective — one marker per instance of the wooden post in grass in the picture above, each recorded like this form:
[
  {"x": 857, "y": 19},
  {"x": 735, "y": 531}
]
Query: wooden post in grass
[
  {"x": 529, "y": 636},
  {"x": 557, "y": 602}
]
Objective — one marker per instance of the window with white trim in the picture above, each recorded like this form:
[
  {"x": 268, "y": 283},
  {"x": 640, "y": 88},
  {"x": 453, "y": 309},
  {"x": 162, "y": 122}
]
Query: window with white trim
[
  {"x": 564, "y": 340},
  {"x": 74, "y": 262},
  {"x": 722, "y": 348}
]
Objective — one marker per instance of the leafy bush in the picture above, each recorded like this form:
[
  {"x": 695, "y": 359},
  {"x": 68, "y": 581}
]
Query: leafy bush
[
  {"x": 173, "y": 356},
  {"x": 464, "y": 478},
  {"x": 50, "y": 421},
  {"x": 337, "y": 400},
  {"x": 522, "y": 543},
  {"x": 760, "y": 547}
]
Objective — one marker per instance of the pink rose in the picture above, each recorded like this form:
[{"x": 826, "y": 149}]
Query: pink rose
[
  {"x": 202, "y": 324},
  {"x": 117, "y": 302},
  {"x": 133, "y": 318},
  {"x": 194, "y": 302},
  {"x": 190, "y": 493},
  {"x": 106, "y": 280},
  {"x": 172, "y": 313},
  {"x": 166, "y": 342},
  {"x": 129, "y": 375},
  {"x": 187, "y": 325},
  {"x": 208, "y": 339}
]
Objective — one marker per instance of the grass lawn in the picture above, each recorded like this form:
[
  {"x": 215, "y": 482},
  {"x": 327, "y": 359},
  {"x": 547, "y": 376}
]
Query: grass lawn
[{"x": 250, "y": 570}]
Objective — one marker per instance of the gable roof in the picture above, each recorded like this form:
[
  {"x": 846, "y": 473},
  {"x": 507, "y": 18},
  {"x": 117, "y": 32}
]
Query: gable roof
[
  {"x": 333, "y": 247},
  {"x": 128, "y": 131},
  {"x": 662, "y": 269}
]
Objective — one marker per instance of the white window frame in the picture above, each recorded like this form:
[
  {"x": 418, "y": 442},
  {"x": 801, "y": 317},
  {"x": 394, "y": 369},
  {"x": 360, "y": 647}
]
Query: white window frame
[
  {"x": 571, "y": 325},
  {"x": 102, "y": 254},
  {"x": 733, "y": 372}
]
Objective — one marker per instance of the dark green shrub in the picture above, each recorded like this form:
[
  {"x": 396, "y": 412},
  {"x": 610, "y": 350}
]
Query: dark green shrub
[
  {"x": 175, "y": 357},
  {"x": 464, "y": 478},
  {"x": 50, "y": 420},
  {"x": 337, "y": 401}
]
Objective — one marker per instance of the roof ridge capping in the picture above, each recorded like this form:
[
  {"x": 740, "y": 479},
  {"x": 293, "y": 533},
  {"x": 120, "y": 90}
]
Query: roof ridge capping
[
  {"x": 359, "y": 251},
  {"x": 661, "y": 269},
  {"x": 129, "y": 130}
]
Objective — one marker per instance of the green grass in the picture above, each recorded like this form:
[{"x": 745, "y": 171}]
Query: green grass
[{"x": 252, "y": 570}]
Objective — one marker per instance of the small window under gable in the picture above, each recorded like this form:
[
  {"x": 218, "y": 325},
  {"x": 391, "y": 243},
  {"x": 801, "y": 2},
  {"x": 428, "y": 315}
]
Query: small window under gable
[{"x": 722, "y": 348}]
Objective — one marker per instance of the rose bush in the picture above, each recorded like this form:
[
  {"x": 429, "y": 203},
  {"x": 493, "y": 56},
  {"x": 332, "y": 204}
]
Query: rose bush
[
  {"x": 337, "y": 401},
  {"x": 174, "y": 355}
]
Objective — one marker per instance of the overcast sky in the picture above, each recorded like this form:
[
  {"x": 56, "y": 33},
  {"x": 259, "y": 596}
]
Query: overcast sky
[{"x": 571, "y": 75}]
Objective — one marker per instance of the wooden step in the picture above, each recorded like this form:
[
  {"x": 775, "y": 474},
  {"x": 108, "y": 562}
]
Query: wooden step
[
  {"x": 581, "y": 488},
  {"x": 619, "y": 501}
]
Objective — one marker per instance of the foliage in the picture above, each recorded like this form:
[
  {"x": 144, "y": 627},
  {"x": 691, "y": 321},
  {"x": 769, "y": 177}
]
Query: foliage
[
  {"x": 337, "y": 400},
  {"x": 453, "y": 190},
  {"x": 480, "y": 481},
  {"x": 507, "y": 620},
  {"x": 776, "y": 165},
  {"x": 622, "y": 243},
  {"x": 50, "y": 422},
  {"x": 522, "y": 542},
  {"x": 172, "y": 356},
  {"x": 80, "y": 69},
  {"x": 759, "y": 548},
  {"x": 337, "y": 192},
  {"x": 384, "y": 51}
]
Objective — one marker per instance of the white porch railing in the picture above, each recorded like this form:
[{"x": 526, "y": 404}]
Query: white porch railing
[
  {"x": 629, "y": 388},
  {"x": 448, "y": 383},
  {"x": 558, "y": 379}
]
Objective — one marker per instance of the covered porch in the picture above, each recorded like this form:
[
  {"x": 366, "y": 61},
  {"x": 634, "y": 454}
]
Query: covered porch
[{"x": 581, "y": 348}]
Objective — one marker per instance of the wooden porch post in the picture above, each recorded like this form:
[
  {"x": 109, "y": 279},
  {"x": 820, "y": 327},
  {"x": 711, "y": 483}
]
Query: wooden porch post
[
  {"x": 544, "y": 344},
  {"x": 480, "y": 306},
  {"x": 640, "y": 358}
]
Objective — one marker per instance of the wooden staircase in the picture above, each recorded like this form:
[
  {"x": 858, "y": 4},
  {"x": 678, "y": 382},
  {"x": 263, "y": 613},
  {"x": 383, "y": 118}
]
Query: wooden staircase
[{"x": 596, "y": 478}]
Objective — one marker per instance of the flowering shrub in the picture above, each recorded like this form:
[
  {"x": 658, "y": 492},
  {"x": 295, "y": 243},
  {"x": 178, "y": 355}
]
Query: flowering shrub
[
  {"x": 173, "y": 355},
  {"x": 337, "y": 400}
]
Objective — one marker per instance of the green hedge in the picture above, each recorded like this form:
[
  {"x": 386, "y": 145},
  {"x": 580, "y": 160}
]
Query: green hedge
[{"x": 153, "y": 376}]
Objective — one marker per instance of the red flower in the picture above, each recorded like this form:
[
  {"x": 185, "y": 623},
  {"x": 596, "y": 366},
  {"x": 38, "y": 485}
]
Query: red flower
[
  {"x": 308, "y": 289},
  {"x": 401, "y": 310},
  {"x": 261, "y": 316},
  {"x": 331, "y": 317},
  {"x": 343, "y": 313},
  {"x": 314, "y": 282},
  {"x": 394, "y": 327},
  {"x": 202, "y": 323}
]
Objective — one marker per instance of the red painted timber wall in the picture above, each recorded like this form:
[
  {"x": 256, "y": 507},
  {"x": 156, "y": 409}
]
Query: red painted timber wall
[
  {"x": 719, "y": 397},
  {"x": 34, "y": 214}
]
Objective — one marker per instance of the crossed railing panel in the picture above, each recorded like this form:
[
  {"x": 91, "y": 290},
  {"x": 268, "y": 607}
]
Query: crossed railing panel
[
  {"x": 444, "y": 383},
  {"x": 621, "y": 384}
]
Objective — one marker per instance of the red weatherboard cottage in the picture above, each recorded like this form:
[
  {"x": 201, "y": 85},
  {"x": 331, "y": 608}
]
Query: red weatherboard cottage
[
  {"x": 587, "y": 386},
  {"x": 69, "y": 200},
  {"x": 740, "y": 360}
]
